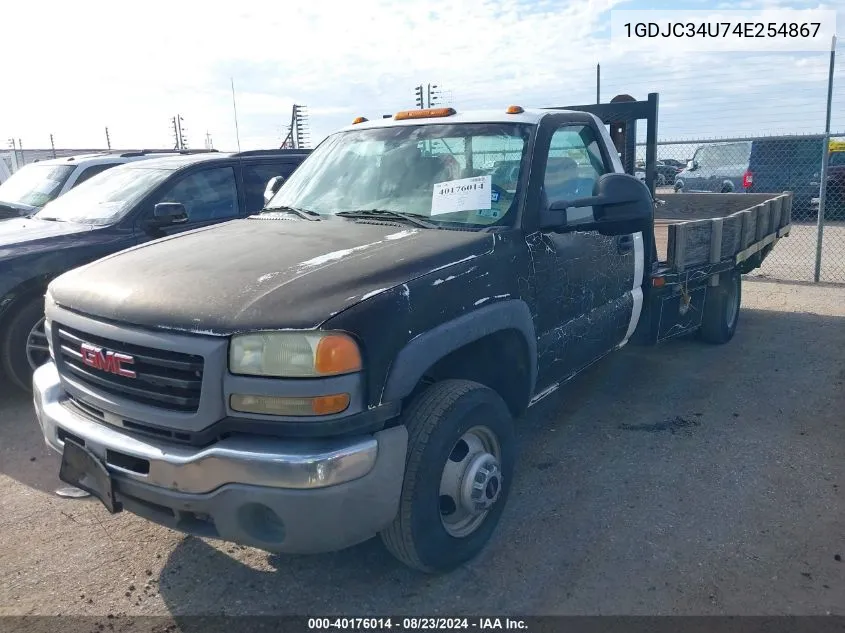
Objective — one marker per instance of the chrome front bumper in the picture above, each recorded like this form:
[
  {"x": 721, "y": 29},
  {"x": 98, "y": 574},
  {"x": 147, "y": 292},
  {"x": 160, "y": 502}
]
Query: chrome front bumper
[
  {"x": 264, "y": 462},
  {"x": 327, "y": 494}
]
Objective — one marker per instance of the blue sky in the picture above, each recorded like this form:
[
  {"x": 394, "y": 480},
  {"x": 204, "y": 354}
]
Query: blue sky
[{"x": 71, "y": 69}]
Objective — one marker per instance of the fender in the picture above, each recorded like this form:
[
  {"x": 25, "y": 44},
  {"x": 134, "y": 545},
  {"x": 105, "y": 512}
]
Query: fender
[
  {"x": 36, "y": 285},
  {"x": 426, "y": 349}
]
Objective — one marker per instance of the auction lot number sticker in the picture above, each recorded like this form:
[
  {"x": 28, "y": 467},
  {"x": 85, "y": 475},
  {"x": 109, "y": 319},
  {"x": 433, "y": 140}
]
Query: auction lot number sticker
[{"x": 466, "y": 194}]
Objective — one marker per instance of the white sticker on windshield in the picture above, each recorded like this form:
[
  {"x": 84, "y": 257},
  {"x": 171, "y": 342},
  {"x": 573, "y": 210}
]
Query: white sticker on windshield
[{"x": 466, "y": 194}]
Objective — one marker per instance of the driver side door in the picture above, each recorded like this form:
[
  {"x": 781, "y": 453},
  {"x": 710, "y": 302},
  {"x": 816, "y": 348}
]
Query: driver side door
[{"x": 583, "y": 279}]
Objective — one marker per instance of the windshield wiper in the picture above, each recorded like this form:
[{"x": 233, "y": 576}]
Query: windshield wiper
[
  {"x": 411, "y": 218},
  {"x": 303, "y": 213}
]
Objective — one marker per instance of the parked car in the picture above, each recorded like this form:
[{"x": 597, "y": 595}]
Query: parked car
[
  {"x": 787, "y": 164},
  {"x": 678, "y": 164},
  {"x": 719, "y": 167},
  {"x": 666, "y": 173},
  {"x": 122, "y": 207},
  {"x": 36, "y": 184},
  {"x": 351, "y": 361},
  {"x": 834, "y": 208}
]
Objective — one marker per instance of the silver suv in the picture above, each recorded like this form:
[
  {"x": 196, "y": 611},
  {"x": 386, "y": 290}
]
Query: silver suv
[{"x": 716, "y": 168}]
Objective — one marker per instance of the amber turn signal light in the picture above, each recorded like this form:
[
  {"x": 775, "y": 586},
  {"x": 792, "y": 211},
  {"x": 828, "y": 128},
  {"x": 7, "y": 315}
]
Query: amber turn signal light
[{"x": 336, "y": 354}]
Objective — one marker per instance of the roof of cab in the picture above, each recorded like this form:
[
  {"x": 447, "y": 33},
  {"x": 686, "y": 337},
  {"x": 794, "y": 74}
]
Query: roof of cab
[{"x": 531, "y": 117}]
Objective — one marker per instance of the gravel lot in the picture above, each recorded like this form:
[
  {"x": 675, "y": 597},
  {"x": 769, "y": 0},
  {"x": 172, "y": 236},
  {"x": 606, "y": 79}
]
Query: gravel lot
[{"x": 682, "y": 479}]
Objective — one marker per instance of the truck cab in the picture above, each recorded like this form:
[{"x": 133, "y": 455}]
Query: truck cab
[{"x": 353, "y": 360}]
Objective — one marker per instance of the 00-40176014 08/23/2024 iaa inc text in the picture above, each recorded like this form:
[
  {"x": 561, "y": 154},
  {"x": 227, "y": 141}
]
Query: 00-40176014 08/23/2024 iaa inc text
[
  {"x": 125, "y": 623},
  {"x": 416, "y": 623}
]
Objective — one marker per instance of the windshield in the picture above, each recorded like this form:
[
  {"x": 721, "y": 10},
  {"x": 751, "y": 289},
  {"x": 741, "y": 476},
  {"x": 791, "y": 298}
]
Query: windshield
[
  {"x": 106, "y": 197},
  {"x": 460, "y": 174},
  {"x": 35, "y": 185}
]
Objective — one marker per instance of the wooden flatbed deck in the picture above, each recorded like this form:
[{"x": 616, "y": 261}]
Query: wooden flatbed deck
[{"x": 700, "y": 228}]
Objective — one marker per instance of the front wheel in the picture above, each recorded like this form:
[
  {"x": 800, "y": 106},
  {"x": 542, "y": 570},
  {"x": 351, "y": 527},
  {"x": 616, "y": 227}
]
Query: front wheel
[
  {"x": 721, "y": 309},
  {"x": 458, "y": 471},
  {"x": 24, "y": 345}
]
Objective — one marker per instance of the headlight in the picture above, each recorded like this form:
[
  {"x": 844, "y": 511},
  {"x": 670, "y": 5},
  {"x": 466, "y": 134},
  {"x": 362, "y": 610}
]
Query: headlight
[{"x": 293, "y": 354}]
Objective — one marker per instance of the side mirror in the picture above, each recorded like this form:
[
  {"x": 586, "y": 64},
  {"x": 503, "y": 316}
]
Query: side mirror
[
  {"x": 167, "y": 213},
  {"x": 692, "y": 165},
  {"x": 621, "y": 204},
  {"x": 273, "y": 186}
]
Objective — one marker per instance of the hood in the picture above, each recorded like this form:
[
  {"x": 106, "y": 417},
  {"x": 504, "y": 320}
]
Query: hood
[
  {"x": 251, "y": 274},
  {"x": 23, "y": 235}
]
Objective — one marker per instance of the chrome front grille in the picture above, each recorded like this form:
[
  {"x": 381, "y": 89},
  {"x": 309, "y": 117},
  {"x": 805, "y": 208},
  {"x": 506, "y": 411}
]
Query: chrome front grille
[{"x": 162, "y": 378}]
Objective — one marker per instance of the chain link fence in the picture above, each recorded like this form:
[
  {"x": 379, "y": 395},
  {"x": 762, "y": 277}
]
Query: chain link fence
[{"x": 772, "y": 164}]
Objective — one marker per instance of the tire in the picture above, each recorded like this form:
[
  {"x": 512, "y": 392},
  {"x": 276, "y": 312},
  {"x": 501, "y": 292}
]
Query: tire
[
  {"x": 425, "y": 534},
  {"x": 721, "y": 311},
  {"x": 16, "y": 361}
]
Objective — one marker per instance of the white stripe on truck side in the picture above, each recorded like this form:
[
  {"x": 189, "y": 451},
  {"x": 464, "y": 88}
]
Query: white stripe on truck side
[{"x": 637, "y": 289}]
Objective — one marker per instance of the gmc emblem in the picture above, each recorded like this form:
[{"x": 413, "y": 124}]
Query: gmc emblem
[{"x": 105, "y": 360}]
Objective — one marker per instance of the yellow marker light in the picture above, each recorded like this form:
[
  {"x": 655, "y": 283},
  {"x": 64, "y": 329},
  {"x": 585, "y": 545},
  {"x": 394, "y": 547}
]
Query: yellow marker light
[
  {"x": 514, "y": 110},
  {"x": 275, "y": 405},
  {"x": 360, "y": 119},
  {"x": 423, "y": 114}
]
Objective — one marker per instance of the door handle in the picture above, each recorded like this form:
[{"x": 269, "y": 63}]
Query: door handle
[{"x": 625, "y": 243}]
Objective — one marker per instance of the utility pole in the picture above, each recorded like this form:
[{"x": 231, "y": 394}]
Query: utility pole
[
  {"x": 433, "y": 94},
  {"x": 108, "y": 140},
  {"x": 418, "y": 92},
  {"x": 208, "y": 143},
  {"x": 182, "y": 141},
  {"x": 52, "y": 146},
  {"x": 598, "y": 83},
  {"x": 14, "y": 153},
  {"x": 302, "y": 135},
  {"x": 178, "y": 132},
  {"x": 825, "y": 163}
]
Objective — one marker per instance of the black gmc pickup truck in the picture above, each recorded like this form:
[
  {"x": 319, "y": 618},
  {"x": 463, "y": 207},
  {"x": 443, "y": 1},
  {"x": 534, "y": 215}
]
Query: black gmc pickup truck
[{"x": 351, "y": 361}]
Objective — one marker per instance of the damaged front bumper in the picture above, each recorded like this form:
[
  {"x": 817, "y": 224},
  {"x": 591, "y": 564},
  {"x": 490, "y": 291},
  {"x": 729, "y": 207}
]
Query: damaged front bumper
[{"x": 276, "y": 494}]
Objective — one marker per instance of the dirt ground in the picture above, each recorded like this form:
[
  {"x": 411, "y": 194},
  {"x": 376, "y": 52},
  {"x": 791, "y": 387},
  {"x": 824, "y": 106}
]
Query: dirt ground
[{"x": 682, "y": 479}]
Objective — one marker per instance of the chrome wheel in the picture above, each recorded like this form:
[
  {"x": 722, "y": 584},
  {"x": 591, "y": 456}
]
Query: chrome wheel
[
  {"x": 471, "y": 481},
  {"x": 37, "y": 350}
]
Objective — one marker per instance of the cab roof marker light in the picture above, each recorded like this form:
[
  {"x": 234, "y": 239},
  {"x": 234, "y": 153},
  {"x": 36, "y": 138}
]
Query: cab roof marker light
[
  {"x": 515, "y": 110},
  {"x": 360, "y": 119},
  {"x": 423, "y": 114}
]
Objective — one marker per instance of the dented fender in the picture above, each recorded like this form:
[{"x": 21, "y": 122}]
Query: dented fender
[{"x": 427, "y": 348}]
